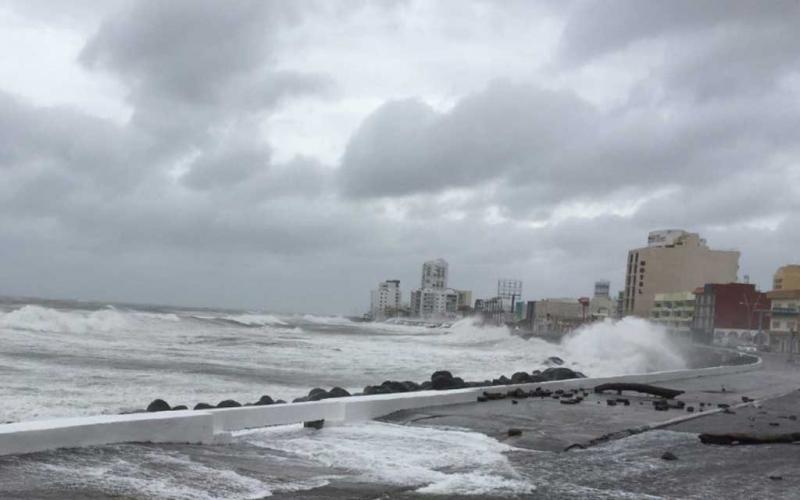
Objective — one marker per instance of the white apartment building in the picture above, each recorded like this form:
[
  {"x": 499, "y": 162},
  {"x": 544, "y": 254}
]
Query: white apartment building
[
  {"x": 434, "y": 303},
  {"x": 434, "y": 274},
  {"x": 385, "y": 301}
]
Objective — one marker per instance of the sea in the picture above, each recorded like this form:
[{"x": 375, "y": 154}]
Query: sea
[{"x": 66, "y": 358}]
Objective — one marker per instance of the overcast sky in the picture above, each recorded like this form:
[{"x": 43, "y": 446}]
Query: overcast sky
[{"x": 289, "y": 155}]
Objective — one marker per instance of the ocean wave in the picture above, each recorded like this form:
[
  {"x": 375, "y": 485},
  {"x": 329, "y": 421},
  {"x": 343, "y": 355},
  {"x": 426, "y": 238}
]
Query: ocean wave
[
  {"x": 248, "y": 319},
  {"x": 44, "y": 319}
]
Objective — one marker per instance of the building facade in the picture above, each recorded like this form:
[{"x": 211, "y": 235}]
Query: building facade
[
  {"x": 434, "y": 274},
  {"x": 673, "y": 261},
  {"x": 674, "y": 311},
  {"x": 730, "y": 313},
  {"x": 784, "y": 320},
  {"x": 787, "y": 278},
  {"x": 385, "y": 301},
  {"x": 434, "y": 303}
]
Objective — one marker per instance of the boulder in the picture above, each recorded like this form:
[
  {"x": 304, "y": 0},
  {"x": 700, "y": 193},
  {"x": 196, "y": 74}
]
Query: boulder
[
  {"x": 668, "y": 456},
  {"x": 158, "y": 405},
  {"x": 338, "y": 392},
  {"x": 411, "y": 386},
  {"x": 203, "y": 406},
  {"x": 426, "y": 386},
  {"x": 375, "y": 389},
  {"x": 520, "y": 378},
  {"x": 442, "y": 380},
  {"x": 317, "y": 394},
  {"x": 514, "y": 432},
  {"x": 264, "y": 400},
  {"x": 303, "y": 399},
  {"x": 393, "y": 386},
  {"x": 180, "y": 407},
  {"x": 560, "y": 373},
  {"x": 229, "y": 403}
]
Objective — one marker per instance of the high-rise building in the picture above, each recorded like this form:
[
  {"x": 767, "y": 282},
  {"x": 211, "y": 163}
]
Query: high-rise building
[
  {"x": 434, "y": 299},
  {"x": 385, "y": 300},
  {"x": 787, "y": 278},
  {"x": 673, "y": 261},
  {"x": 434, "y": 274}
]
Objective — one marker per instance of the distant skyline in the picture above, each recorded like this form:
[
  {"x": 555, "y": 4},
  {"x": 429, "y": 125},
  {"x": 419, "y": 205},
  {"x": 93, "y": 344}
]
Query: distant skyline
[{"x": 289, "y": 155}]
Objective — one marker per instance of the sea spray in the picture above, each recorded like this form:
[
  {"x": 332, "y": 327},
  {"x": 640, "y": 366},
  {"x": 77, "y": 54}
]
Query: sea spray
[{"x": 623, "y": 347}]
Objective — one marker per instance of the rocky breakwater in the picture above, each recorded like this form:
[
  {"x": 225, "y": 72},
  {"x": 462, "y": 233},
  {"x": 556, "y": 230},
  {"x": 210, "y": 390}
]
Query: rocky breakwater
[{"x": 440, "y": 380}]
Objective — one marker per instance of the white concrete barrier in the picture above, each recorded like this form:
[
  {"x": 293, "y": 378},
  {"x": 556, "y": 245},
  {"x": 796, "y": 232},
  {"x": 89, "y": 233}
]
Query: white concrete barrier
[
  {"x": 208, "y": 426},
  {"x": 163, "y": 427}
]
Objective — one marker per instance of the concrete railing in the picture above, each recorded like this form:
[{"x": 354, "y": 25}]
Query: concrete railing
[{"x": 210, "y": 426}]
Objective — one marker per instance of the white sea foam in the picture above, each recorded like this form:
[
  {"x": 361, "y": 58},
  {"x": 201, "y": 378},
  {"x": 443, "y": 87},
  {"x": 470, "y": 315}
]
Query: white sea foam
[
  {"x": 628, "y": 346},
  {"x": 44, "y": 319},
  {"x": 435, "y": 460},
  {"x": 256, "y": 319}
]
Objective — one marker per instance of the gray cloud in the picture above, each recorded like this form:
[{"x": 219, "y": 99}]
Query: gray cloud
[{"x": 527, "y": 176}]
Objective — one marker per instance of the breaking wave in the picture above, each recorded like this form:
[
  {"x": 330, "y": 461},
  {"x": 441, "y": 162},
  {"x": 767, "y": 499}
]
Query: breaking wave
[{"x": 44, "y": 319}]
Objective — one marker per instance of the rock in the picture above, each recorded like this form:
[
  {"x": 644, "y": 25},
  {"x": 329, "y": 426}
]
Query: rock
[
  {"x": 554, "y": 360},
  {"x": 668, "y": 456},
  {"x": 723, "y": 405},
  {"x": 611, "y": 402},
  {"x": 776, "y": 478},
  {"x": 317, "y": 394},
  {"x": 514, "y": 432},
  {"x": 745, "y": 399},
  {"x": 517, "y": 393},
  {"x": 229, "y": 403},
  {"x": 520, "y": 378},
  {"x": 375, "y": 389},
  {"x": 504, "y": 380},
  {"x": 458, "y": 383},
  {"x": 442, "y": 380},
  {"x": 560, "y": 373},
  {"x": 280, "y": 402},
  {"x": 482, "y": 399},
  {"x": 514, "y": 402},
  {"x": 338, "y": 392},
  {"x": 661, "y": 405},
  {"x": 774, "y": 424},
  {"x": 426, "y": 386},
  {"x": 303, "y": 399},
  {"x": 158, "y": 405},
  {"x": 690, "y": 409},
  {"x": 314, "y": 424},
  {"x": 571, "y": 401},
  {"x": 494, "y": 395},
  {"x": 624, "y": 401},
  {"x": 180, "y": 407},
  {"x": 264, "y": 400},
  {"x": 393, "y": 386},
  {"x": 537, "y": 377},
  {"x": 411, "y": 386},
  {"x": 203, "y": 406}
]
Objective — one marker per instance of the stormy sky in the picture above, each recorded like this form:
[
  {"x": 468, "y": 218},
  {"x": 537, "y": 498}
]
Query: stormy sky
[{"x": 289, "y": 155}]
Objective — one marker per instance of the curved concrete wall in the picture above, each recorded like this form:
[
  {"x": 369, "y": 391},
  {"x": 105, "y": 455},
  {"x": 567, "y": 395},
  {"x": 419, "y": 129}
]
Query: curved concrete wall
[{"x": 209, "y": 426}]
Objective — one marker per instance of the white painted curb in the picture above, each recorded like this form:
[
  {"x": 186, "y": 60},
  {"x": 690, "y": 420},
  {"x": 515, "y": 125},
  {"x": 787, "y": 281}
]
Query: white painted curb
[{"x": 209, "y": 426}]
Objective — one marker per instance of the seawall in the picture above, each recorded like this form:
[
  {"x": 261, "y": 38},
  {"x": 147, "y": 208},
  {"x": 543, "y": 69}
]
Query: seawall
[{"x": 215, "y": 425}]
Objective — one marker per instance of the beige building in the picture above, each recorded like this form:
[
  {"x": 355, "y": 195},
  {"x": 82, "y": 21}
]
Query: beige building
[
  {"x": 785, "y": 320},
  {"x": 673, "y": 261},
  {"x": 674, "y": 311},
  {"x": 787, "y": 278}
]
